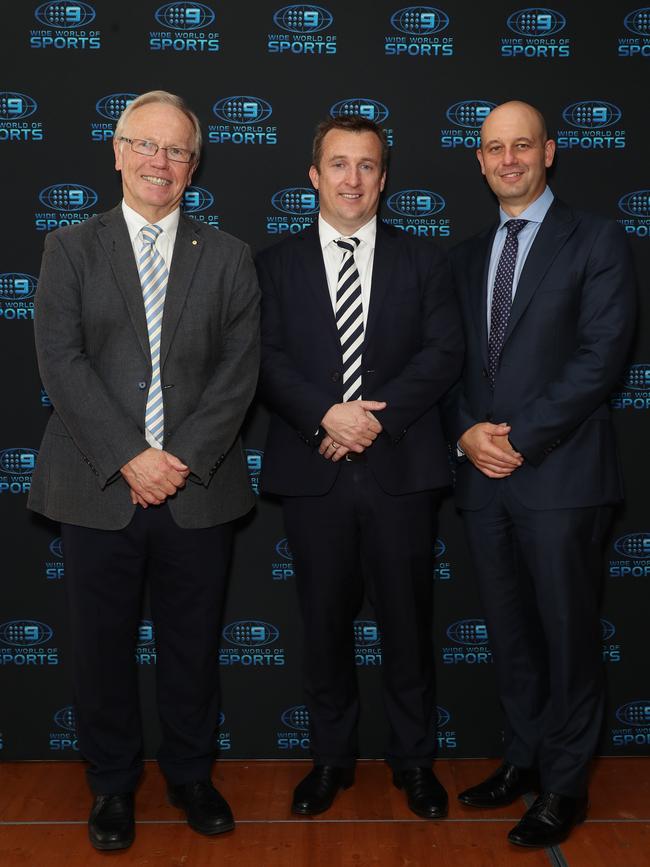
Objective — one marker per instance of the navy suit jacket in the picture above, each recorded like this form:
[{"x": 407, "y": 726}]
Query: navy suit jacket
[
  {"x": 568, "y": 335},
  {"x": 413, "y": 349}
]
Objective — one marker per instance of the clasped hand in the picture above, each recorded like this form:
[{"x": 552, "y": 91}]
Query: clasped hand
[
  {"x": 154, "y": 475},
  {"x": 489, "y": 449},
  {"x": 351, "y": 427}
]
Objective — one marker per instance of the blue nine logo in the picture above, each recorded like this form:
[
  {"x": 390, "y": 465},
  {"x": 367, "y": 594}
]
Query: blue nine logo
[
  {"x": 145, "y": 651},
  {"x": 302, "y": 29},
  {"x": 471, "y": 639},
  {"x": 367, "y": 643},
  {"x": 16, "y": 468},
  {"x": 66, "y": 737},
  {"x": 635, "y": 717},
  {"x": 636, "y": 22},
  {"x": 15, "y": 108},
  {"x": 195, "y": 202},
  {"x": 17, "y": 295},
  {"x": 590, "y": 121},
  {"x": 24, "y": 643},
  {"x": 254, "y": 458},
  {"x": 298, "y": 205},
  {"x": 64, "y": 20},
  {"x": 241, "y": 119},
  {"x": 636, "y": 205},
  {"x": 187, "y": 28},
  {"x": 466, "y": 118},
  {"x": 109, "y": 107},
  {"x": 415, "y": 210},
  {"x": 419, "y": 28},
  {"x": 635, "y": 548},
  {"x": 296, "y": 724},
  {"x": 536, "y": 29},
  {"x": 71, "y": 202},
  {"x": 371, "y": 109},
  {"x": 635, "y": 389},
  {"x": 282, "y": 569},
  {"x": 251, "y": 642}
]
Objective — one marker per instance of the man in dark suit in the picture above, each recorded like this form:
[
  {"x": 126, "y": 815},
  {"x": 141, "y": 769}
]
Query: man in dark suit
[
  {"x": 547, "y": 298},
  {"x": 360, "y": 338},
  {"x": 147, "y": 341}
]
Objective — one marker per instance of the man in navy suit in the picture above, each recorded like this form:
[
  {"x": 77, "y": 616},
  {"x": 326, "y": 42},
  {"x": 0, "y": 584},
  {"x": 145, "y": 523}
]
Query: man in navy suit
[
  {"x": 547, "y": 298},
  {"x": 361, "y": 337}
]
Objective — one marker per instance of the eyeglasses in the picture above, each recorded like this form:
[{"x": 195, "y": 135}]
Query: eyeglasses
[{"x": 150, "y": 149}]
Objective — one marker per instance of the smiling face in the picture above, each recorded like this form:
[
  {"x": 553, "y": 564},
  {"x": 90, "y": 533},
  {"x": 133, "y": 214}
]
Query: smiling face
[
  {"x": 349, "y": 179},
  {"x": 514, "y": 155},
  {"x": 154, "y": 186}
]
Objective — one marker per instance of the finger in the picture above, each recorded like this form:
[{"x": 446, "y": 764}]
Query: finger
[
  {"x": 175, "y": 462},
  {"x": 372, "y": 404}
]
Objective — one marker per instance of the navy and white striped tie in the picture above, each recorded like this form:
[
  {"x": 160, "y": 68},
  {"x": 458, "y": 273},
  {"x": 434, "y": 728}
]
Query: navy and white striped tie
[
  {"x": 349, "y": 319},
  {"x": 153, "y": 276}
]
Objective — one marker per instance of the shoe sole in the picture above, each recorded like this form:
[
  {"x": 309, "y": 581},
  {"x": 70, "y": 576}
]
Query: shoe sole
[
  {"x": 298, "y": 811},
  {"x": 110, "y": 847},
  {"x": 548, "y": 844}
]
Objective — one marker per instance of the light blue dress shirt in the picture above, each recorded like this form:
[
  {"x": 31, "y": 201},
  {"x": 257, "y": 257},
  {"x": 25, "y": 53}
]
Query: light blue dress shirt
[{"x": 534, "y": 213}]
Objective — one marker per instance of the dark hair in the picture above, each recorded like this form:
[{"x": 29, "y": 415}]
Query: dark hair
[{"x": 348, "y": 123}]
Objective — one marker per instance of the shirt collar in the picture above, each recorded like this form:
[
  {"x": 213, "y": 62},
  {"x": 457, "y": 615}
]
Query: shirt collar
[
  {"x": 366, "y": 234},
  {"x": 135, "y": 221},
  {"x": 534, "y": 213}
]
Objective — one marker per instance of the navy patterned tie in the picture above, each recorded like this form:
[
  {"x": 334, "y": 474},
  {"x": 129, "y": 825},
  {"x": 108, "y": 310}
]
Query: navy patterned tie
[
  {"x": 349, "y": 319},
  {"x": 502, "y": 295}
]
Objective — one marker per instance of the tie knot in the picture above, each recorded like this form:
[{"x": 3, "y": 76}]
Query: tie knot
[
  {"x": 349, "y": 244},
  {"x": 150, "y": 233},
  {"x": 514, "y": 227}
]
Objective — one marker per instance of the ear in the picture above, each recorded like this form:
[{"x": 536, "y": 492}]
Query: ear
[
  {"x": 382, "y": 182},
  {"x": 314, "y": 176},
  {"x": 479, "y": 157},
  {"x": 549, "y": 153},
  {"x": 117, "y": 150}
]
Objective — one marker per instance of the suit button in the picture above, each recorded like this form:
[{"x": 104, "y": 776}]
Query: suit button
[
  {"x": 336, "y": 375},
  {"x": 142, "y": 385}
]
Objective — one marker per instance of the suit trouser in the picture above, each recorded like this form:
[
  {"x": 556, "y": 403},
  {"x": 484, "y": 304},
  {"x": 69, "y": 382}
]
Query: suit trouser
[
  {"x": 105, "y": 574},
  {"x": 356, "y": 534},
  {"x": 539, "y": 578}
]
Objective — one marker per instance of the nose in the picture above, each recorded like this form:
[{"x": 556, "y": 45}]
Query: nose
[
  {"x": 353, "y": 176},
  {"x": 160, "y": 158},
  {"x": 509, "y": 156}
]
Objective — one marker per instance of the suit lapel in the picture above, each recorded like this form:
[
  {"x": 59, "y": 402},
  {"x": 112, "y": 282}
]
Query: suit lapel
[
  {"x": 556, "y": 227},
  {"x": 384, "y": 261},
  {"x": 187, "y": 252},
  {"x": 314, "y": 278},
  {"x": 478, "y": 278},
  {"x": 114, "y": 238}
]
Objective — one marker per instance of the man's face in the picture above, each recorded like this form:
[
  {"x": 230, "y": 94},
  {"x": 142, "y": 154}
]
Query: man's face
[
  {"x": 349, "y": 179},
  {"x": 154, "y": 186},
  {"x": 514, "y": 156}
]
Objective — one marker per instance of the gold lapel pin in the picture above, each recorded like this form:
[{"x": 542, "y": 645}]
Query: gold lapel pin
[{"x": 194, "y": 242}]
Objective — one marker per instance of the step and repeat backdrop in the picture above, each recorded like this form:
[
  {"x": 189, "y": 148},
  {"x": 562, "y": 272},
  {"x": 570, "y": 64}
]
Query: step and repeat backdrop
[{"x": 260, "y": 75}]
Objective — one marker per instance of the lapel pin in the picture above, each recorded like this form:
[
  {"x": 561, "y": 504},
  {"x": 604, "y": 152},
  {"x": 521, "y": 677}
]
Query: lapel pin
[{"x": 194, "y": 242}]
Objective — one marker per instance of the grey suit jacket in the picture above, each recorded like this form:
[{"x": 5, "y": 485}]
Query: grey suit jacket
[{"x": 93, "y": 354}]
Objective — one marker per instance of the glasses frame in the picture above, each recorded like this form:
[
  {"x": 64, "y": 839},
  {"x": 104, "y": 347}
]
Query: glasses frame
[{"x": 132, "y": 141}]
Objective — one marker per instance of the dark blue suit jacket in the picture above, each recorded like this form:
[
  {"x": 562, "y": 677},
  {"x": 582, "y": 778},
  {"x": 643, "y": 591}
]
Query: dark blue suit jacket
[
  {"x": 568, "y": 335},
  {"x": 412, "y": 353}
]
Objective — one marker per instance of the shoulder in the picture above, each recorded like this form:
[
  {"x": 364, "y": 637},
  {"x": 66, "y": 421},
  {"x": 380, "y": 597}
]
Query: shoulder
[
  {"x": 78, "y": 234},
  {"x": 290, "y": 247},
  {"x": 214, "y": 239},
  {"x": 423, "y": 251}
]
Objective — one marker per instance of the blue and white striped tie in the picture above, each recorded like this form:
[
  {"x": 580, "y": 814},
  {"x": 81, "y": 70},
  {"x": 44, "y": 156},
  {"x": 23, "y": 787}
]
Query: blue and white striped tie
[
  {"x": 349, "y": 319},
  {"x": 153, "y": 276}
]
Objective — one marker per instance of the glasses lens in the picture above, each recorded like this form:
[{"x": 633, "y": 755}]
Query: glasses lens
[
  {"x": 179, "y": 155},
  {"x": 144, "y": 147}
]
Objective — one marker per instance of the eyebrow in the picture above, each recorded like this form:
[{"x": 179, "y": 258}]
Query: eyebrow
[
  {"x": 346, "y": 157},
  {"x": 500, "y": 141}
]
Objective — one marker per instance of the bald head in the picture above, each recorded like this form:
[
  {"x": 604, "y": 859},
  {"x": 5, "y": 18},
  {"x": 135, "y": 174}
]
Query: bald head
[
  {"x": 514, "y": 113},
  {"x": 514, "y": 155}
]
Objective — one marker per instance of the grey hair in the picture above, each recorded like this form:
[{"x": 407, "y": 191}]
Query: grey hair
[{"x": 164, "y": 98}]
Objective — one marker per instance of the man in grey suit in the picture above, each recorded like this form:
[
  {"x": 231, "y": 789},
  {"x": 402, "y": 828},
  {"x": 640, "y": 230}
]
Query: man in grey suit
[{"x": 147, "y": 341}]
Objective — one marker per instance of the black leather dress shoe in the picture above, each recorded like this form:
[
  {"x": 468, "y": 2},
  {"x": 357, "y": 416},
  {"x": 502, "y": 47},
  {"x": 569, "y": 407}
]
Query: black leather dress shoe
[
  {"x": 111, "y": 824},
  {"x": 425, "y": 795},
  {"x": 503, "y": 787},
  {"x": 316, "y": 792},
  {"x": 206, "y": 810},
  {"x": 549, "y": 821}
]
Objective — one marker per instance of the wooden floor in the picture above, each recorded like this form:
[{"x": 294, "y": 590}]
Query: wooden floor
[{"x": 44, "y": 808}]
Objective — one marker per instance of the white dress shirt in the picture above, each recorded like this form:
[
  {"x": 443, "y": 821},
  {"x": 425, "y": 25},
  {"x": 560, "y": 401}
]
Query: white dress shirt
[
  {"x": 333, "y": 257},
  {"x": 165, "y": 246}
]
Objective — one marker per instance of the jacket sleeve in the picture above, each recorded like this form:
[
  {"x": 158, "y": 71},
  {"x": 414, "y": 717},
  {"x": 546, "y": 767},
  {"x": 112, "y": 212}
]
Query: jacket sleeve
[{"x": 605, "y": 328}]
